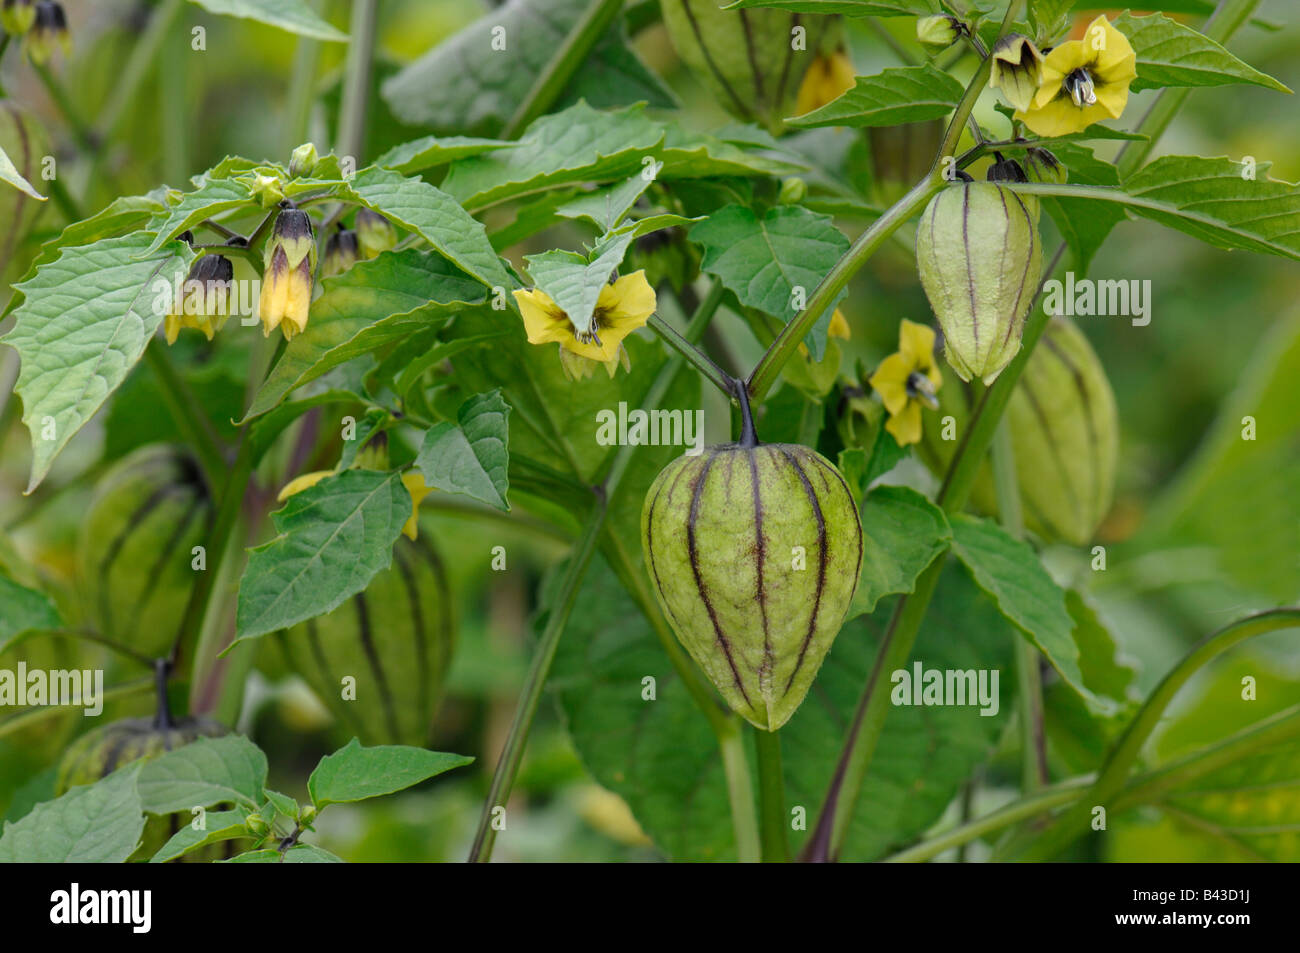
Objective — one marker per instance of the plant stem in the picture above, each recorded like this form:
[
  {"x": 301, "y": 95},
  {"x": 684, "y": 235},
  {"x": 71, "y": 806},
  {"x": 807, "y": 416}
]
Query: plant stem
[
  {"x": 557, "y": 73},
  {"x": 701, "y": 361},
  {"x": 172, "y": 63},
  {"x": 138, "y": 65},
  {"x": 740, "y": 790},
  {"x": 302, "y": 81},
  {"x": 193, "y": 425},
  {"x": 771, "y": 797},
  {"x": 1033, "y": 744},
  {"x": 512, "y": 754},
  {"x": 1114, "y": 771},
  {"x": 787, "y": 342},
  {"x": 356, "y": 80}
]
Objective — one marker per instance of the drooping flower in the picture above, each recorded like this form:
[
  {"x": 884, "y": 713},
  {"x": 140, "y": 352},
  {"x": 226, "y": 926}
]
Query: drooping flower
[
  {"x": 49, "y": 29},
  {"x": 204, "y": 302},
  {"x": 290, "y": 270},
  {"x": 621, "y": 308},
  {"x": 938, "y": 32},
  {"x": 17, "y": 16},
  {"x": 304, "y": 160},
  {"x": 907, "y": 379},
  {"x": 1084, "y": 81},
  {"x": 1017, "y": 69},
  {"x": 341, "y": 253},
  {"x": 827, "y": 79},
  {"x": 375, "y": 233}
]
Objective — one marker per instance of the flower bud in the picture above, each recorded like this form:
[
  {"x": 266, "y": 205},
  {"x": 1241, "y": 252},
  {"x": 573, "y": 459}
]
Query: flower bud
[
  {"x": 1009, "y": 170},
  {"x": 17, "y": 16},
  {"x": 979, "y": 258},
  {"x": 289, "y": 268},
  {"x": 256, "y": 825},
  {"x": 304, "y": 160},
  {"x": 307, "y": 814},
  {"x": 49, "y": 29},
  {"x": 1042, "y": 166},
  {"x": 1017, "y": 69},
  {"x": 938, "y": 32},
  {"x": 205, "y": 298},
  {"x": 792, "y": 192},
  {"x": 756, "y": 61},
  {"x": 375, "y": 233},
  {"x": 267, "y": 189},
  {"x": 341, "y": 252}
]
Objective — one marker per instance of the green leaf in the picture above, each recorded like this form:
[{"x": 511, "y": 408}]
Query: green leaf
[
  {"x": 333, "y": 538},
  {"x": 85, "y": 321},
  {"x": 606, "y": 207},
  {"x": 1084, "y": 225},
  {"x": 286, "y": 805},
  {"x": 762, "y": 261},
  {"x": 436, "y": 217},
  {"x": 902, "y": 533},
  {"x": 23, "y": 609},
  {"x": 1009, "y": 571},
  {"x": 1224, "y": 203},
  {"x": 662, "y": 758},
  {"x": 430, "y": 152},
  {"x": 203, "y": 773},
  {"x": 372, "y": 304},
  {"x": 473, "y": 458},
  {"x": 219, "y": 826},
  {"x": 1170, "y": 54},
  {"x": 465, "y": 86},
  {"x": 693, "y": 155},
  {"x": 354, "y": 773},
  {"x": 9, "y": 173},
  {"x": 212, "y": 197},
  {"x": 889, "y": 98},
  {"x": 296, "y": 16},
  {"x": 97, "y": 823},
  {"x": 579, "y": 144},
  {"x": 574, "y": 281}
]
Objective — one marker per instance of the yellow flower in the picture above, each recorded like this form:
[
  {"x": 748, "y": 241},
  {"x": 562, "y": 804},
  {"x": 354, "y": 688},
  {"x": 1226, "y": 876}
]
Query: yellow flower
[
  {"x": 415, "y": 485},
  {"x": 907, "y": 379},
  {"x": 1017, "y": 69},
  {"x": 205, "y": 298},
  {"x": 290, "y": 268},
  {"x": 827, "y": 79},
  {"x": 621, "y": 308},
  {"x": 1084, "y": 81},
  {"x": 411, "y": 479}
]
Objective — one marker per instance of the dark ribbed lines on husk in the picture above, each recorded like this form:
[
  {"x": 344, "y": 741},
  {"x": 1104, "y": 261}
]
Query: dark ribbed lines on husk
[
  {"x": 760, "y": 554},
  {"x": 1044, "y": 425},
  {"x": 649, "y": 532},
  {"x": 1018, "y": 319},
  {"x": 376, "y": 667},
  {"x": 1085, "y": 397},
  {"x": 331, "y": 678},
  {"x": 970, "y": 277},
  {"x": 713, "y": 66},
  {"x": 420, "y": 637},
  {"x": 697, "y": 491},
  {"x": 821, "y": 563}
]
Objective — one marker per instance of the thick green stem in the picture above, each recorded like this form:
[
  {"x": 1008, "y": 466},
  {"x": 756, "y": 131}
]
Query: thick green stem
[
  {"x": 1033, "y": 742},
  {"x": 701, "y": 361},
  {"x": 771, "y": 797},
  {"x": 192, "y": 423},
  {"x": 740, "y": 791},
  {"x": 512, "y": 754},
  {"x": 298, "y": 102},
  {"x": 356, "y": 80},
  {"x": 1074, "y": 823},
  {"x": 557, "y": 73}
]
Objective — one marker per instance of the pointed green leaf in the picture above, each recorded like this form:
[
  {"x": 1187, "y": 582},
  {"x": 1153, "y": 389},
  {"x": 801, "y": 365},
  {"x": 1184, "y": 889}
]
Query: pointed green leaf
[
  {"x": 354, "y": 773},
  {"x": 96, "y": 823},
  {"x": 1170, "y": 54},
  {"x": 85, "y": 321},
  {"x": 430, "y": 152},
  {"x": 333, "y": 538},
  {"x": 897, "y": 95},
  {"x": 212, "y": 197},
  {"x": 472, "y": 458},
  {"x": 23, "y": 609},
  {"x": 9, "y": 173},
  {"x": 902, "y": 533},
  {"x": 219, "y": 826},
  {"x": 295, "y": 16},
  {"x": 203, "y": 773}
]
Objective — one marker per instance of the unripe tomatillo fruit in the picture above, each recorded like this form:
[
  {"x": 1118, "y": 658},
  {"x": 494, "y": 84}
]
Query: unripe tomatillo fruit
[
  {"x": 754, "y": 551},
  {"x": 979, "y": 258}
]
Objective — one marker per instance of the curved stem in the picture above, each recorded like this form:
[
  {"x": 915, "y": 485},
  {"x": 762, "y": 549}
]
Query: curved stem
[
  {"x": 701, "y": 361},
  {"x": 562, "y": 66},
  {"x": 771, "y": 797},
  {"x": 503, "y": 778}
]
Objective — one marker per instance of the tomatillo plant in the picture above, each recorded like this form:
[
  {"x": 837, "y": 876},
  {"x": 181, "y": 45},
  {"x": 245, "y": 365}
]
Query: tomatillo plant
[{"x": 437, "y": 426}]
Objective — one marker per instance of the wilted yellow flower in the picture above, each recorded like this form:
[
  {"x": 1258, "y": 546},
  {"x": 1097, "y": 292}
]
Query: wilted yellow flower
[
  {"x": 1017, "y": 69},
  {"x": 827, "y": 79},
  {"x": 621, "y": 308},
  {"x": 204, "y": 299},
  {"x": 907, "y": 379},
  {"x": 1084, "y": 81},
  {"x": 290, "y": 268}
]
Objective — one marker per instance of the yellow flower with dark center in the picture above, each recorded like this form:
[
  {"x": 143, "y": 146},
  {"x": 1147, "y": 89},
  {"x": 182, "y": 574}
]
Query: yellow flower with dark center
[
  {"x": 290, "y": 269},
  {"x": 827, "y": 79},
  {"x": 621, "y": 308},
  {"x": 1084, "y": 81},
  {"x": 49, "y": 29},
  {"x": 1017, "y": 69},
  {"x": 907, "y": 379},
  {"x": 204, "y": 299},
  {"x": 411, "y": 479}
]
